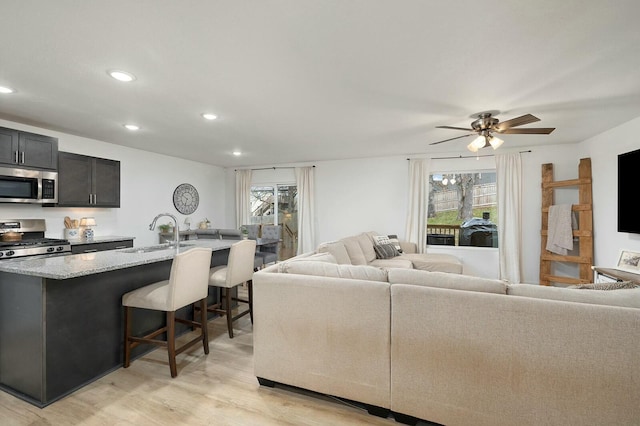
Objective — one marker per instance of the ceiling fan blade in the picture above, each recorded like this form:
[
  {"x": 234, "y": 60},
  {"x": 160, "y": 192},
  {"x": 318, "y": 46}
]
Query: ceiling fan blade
[
  {"x": 457, "y": 137},
  {"x": 535, "y": 131},
  {"x": 518, "y": 121},
  {"x": 454, "y": 128}
]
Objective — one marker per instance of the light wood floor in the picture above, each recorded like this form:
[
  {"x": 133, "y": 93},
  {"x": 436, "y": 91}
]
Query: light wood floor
[{"x": 216, "y": 389}]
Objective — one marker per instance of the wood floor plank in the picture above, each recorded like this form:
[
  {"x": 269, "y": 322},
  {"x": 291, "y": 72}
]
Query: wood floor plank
[{"x": 218, "y": 388}]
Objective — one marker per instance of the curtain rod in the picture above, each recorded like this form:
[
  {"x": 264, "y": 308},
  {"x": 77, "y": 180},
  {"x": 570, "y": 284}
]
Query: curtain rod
[
  {"x": 469, "y": 156},
  {"x": 269, "y": 168}
]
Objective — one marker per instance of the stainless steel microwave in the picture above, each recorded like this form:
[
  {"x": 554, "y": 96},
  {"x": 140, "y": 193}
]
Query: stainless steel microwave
[{"x": 28, "y": 186}]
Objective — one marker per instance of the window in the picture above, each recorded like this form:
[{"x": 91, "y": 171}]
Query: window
[
  {"x": 265, "y": 211},
  {"x": 463, "y": 209}
]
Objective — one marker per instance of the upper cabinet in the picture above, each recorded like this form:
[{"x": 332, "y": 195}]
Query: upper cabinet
[
  {"x": 85, "y": 181},
  {"x": 28, "y": 150}
]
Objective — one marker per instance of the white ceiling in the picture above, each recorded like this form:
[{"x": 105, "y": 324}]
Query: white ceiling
[{"x": 308, "y": 80}]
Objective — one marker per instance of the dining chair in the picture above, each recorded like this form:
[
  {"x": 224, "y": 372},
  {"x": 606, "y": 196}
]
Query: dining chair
[
  {"x": 270, "y": 253},
  {"x": 253, "y": 231},
  {"x": 238, "y": 270},
  {"x": 188, "y": 283},
  {"x": 236, "y": 234}
]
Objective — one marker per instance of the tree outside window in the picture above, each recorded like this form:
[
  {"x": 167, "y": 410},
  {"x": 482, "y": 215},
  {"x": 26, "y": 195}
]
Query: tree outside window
[{"x": 463, "y": 209}]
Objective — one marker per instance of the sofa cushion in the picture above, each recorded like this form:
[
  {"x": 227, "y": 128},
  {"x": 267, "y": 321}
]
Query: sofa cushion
[
  {"x": 325, "y": 269},
  {"x": 396, "y": 262},
  {"x": 338, "y": 250},
  {"x": 446, "y": 280},
  {"x": 629, "y": 298},
  {"x": 307, "y": 257},
  {"x": 439, "y": 262},
  {"x": 366, "y": 244},
  {"x": 356, "y": 255}
]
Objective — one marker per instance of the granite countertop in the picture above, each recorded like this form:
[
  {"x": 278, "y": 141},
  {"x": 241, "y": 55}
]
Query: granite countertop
[
  {"x": 99, "y": 239},
  {"x": 77, "y": 265},
  {"x": 192, "y": 231}
]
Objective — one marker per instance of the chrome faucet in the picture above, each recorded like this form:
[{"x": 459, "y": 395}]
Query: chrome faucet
[{"x": 176, "y": 234}]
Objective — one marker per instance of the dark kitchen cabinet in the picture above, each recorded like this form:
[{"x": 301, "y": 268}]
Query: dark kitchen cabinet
[
  {"x": 85, "y": 181},
  {"x": 27, "y": 150},
  {"x": 90, "y": 247}
]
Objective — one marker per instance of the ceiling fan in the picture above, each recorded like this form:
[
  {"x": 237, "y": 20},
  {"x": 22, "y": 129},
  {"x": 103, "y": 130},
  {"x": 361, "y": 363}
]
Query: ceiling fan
[{"x": 486, "y": 125}]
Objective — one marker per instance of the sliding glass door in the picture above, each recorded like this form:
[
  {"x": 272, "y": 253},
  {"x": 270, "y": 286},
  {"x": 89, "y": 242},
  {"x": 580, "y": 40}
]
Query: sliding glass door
[{"x": 277, "y": 205}]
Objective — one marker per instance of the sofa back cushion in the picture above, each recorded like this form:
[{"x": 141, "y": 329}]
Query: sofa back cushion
[
  {"x": 366, "y": 244},
  {"x": 338, "y": 250},
  {"x": 446, "y": 280},
  {"x": 334, "y": 270},
  {"x": 628, "y": 298},
  {"x": 356, "y": 255}
]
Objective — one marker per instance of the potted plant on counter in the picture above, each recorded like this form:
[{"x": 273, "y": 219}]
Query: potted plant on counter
[{"x": 245, "y": 233}]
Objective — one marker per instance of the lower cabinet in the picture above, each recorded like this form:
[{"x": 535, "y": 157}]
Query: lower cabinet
[{"x": 93, "y": 247}]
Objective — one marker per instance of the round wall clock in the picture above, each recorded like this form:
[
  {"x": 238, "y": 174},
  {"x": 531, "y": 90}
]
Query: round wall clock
[{"x": 185, "y": 198}]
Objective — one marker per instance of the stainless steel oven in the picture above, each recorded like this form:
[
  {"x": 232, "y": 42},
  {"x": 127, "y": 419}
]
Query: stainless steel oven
[
  {"x": 28, "y": 186},
  {"x": 27, "y": 240}
]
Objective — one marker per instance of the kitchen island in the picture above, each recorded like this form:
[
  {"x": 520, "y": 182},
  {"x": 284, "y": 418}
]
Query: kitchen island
[{"x": 61, "y": 317}]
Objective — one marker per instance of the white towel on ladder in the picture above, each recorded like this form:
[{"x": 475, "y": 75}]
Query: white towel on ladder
[{"x": 560, "y": 232}]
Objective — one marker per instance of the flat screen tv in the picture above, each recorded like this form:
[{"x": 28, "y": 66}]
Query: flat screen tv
[{"x": 628, "y": 168}]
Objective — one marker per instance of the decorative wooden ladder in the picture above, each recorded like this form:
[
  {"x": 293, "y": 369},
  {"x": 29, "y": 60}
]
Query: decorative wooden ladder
[{"x": 584, "y": 233}]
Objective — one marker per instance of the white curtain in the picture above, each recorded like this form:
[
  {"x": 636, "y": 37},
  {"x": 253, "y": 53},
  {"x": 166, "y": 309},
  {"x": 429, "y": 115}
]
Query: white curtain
[
  {"x": 243, "y": 197},
  {"x": 416, "y": 230},
  {"x": 509, "y": 187},
  {"x": 306, "y": 209}
]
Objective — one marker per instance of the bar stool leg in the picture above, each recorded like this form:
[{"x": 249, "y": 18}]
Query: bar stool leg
[
  {"x": 127, "y": 333},
  {"x": 227, "y": 298},
  {"x": 250, "y": 291},
  {"x": 171, "y": 342},
  {"x": 204, "y": 325}
]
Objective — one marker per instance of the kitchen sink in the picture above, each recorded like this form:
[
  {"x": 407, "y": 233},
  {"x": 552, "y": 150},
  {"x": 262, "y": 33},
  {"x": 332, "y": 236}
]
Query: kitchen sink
[{"x": 149, "y": 249}]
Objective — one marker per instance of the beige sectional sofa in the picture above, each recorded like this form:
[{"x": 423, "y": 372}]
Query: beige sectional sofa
[
  {"x": 359, "y": 250},
  {"x": 448, "y": 348}
]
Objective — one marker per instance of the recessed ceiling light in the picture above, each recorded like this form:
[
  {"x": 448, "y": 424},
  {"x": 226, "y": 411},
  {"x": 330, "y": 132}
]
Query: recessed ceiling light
[
  {"x": 122, "y": 75},
  {"x": 237, "y": 153},
  {"x": 6, "y": 90},
  {"x": 132, "y": 127},
  {"x": 209, "y": 116}
]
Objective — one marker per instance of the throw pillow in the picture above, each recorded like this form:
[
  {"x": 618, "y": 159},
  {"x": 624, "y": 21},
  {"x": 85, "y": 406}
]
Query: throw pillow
[
  {"x": 381, "y": 239},
  {"x": 385, "y": 251},
  {"x": 393, "y": 239},
  {"x": 607, "y": 286}
]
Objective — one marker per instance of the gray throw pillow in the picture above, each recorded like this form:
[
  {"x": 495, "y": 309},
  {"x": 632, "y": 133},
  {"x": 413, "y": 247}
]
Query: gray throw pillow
[
  {"x": 607, "y": 286},
  {"x": 385, "y": 251},
  {"x": 394, "y": 240}
]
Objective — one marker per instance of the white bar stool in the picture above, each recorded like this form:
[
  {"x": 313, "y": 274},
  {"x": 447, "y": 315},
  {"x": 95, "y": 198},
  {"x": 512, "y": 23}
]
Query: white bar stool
[
  {"x": 238, "y": 270},
  {"x": 188, "y": 283}
]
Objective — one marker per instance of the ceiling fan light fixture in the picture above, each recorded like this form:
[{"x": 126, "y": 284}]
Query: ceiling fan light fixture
[
  {"x": 495, "y": 142},
  {"x": 486, "y": 124},
  {"x": 477, "y": 143}
]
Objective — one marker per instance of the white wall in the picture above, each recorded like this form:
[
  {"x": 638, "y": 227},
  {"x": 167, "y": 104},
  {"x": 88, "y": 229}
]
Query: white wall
[
  {"x": 147, "y": 184},
  {"x": 361, "y": 195},
  {"x": 604, "y": 150}
]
